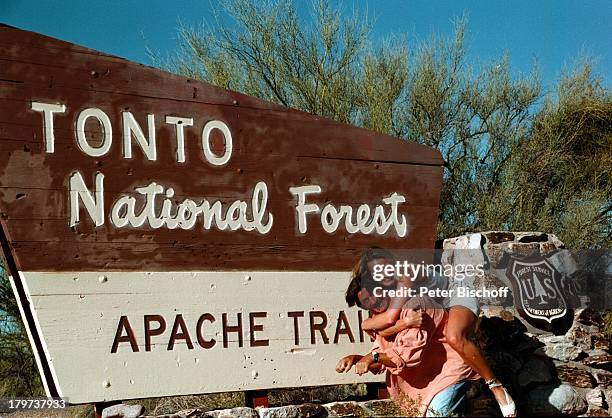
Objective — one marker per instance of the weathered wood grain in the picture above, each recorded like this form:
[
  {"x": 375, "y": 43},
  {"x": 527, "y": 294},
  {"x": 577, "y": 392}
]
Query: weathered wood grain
[{"x": 74, "y": 283}]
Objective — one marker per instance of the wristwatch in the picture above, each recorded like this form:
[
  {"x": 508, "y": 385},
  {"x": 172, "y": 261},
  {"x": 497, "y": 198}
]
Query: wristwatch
[{"x": 375, "y": 356}]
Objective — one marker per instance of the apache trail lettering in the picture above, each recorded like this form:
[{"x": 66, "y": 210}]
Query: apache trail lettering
[{"x": 311, "y": 327}]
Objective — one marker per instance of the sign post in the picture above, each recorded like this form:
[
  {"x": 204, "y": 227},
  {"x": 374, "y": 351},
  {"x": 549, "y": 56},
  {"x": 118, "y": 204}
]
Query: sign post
[{"x": 166, "y": 237}]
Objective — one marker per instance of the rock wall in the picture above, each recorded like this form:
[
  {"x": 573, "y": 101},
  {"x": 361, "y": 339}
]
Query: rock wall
[
  {"x": 549, "y": 375},
  {"x": 375, "y": 408}
]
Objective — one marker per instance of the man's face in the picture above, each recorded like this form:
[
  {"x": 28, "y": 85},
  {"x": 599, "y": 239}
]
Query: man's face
[{"x": 388, "y": 279}]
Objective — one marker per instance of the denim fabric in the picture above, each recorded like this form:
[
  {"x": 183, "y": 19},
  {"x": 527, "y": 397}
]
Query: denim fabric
[{"x": 448, "y": 402}]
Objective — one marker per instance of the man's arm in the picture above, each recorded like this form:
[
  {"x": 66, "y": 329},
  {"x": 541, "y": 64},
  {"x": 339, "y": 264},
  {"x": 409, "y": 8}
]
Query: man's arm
[
  {"x": 413, "y": 319},
  {"x": 382, "y": 320},
  {"x": 367, "y": 363}
]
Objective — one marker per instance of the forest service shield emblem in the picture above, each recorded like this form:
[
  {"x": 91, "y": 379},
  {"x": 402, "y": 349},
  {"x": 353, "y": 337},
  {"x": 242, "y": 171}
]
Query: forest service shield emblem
[{"x": 536, "y": 290}]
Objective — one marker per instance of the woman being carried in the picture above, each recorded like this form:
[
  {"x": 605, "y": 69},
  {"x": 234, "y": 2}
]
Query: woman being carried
[
  {"x": 425, "y": 376},
  {"x": 462, "y": 317}
]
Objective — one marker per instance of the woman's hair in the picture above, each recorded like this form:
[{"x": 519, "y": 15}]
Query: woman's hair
[
  {"x": 352, "y": 293},
  {"x": 361, "y": 277}
]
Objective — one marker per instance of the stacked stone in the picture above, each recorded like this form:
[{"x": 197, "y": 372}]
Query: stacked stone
[
  {"x": 549, "y": 375},
  {"x": 376, "y": 408}
]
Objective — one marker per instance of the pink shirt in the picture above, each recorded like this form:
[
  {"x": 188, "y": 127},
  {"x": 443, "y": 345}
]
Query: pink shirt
[{"x": 425, "y": 363}]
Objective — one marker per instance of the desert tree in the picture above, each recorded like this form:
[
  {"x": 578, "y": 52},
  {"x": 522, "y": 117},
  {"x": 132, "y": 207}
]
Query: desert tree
[
  {"x": 18, "y": 371},
  {"x": 558, "y": 179},
  {"x": 326, "y": 64}
]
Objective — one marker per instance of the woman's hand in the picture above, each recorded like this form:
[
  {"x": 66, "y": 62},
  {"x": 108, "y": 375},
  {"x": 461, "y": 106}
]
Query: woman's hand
[
  {"x": 363, "y": 365},
  {"x": 345, "y": 363},
  {"x": 414, "y": 319}
]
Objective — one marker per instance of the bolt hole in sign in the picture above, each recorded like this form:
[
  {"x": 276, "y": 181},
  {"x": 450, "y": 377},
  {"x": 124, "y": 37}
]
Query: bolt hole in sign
[{"x": 166, "y": 237}]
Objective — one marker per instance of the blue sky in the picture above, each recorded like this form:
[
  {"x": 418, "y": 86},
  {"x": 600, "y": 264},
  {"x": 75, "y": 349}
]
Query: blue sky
[{"x": 553, "y": 32}]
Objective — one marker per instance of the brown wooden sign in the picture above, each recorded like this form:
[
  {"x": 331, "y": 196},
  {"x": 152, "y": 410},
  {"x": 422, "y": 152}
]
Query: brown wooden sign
[{"x": 165, "y": 236}]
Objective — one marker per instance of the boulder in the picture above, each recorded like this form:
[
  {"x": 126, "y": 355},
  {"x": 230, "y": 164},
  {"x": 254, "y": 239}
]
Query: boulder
[
  {"x": 524, "y": 249},
  {"x": 500, "y": 332},
  {"x": 555, "y": 240},
  {"x": 498, "y": 255},
  {"x": 536, "y": 370},
  {"x": 531, "y": 237},
  {"x": 582, "y": 335},
  {"x": 596, "y": 412},
  {"x": 496, "y": 237},
  {"x": 608, "y": 398},
  {"x": 240, "y": 412},
  {"x": 563, "y": 351},
  {"x": 527, "y": 344},
  {"x": 563, "y": 262},
  {"x": 190, "y": 413},
  {"x": 307, "y": 410},
  {"x": 464, "y": 249},
  {"x": 596, "y": 352},
  {"x": 575, "y": 376},
  {"x": 595, "y": 397},
  {"x": 602, "y": 361},
  {"x": 547, "y": 247},
  {"x": 561, "y": 400},
  {"x": 603, "y": 378},
  {"x": 491, "y": 282},
  {"x": 589, "y": 316},
  {"x": 122, "y": 410},
  {"x": 560, "y": 347},
  {"x": 504, "y": 363},
  {"x": 601, "y": 342}
]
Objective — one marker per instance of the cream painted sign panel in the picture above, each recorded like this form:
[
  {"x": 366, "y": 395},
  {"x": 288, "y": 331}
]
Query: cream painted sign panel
[
  {"x": 217, "y": 331},
  {"x": 168, "y": 237}
]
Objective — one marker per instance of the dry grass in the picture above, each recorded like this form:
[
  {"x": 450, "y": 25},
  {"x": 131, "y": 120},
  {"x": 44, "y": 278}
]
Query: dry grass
[
  {"x": 168, "y": 405},
  {"x": 321, "y": 394},
  {"x": 607, "y": 318}
]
